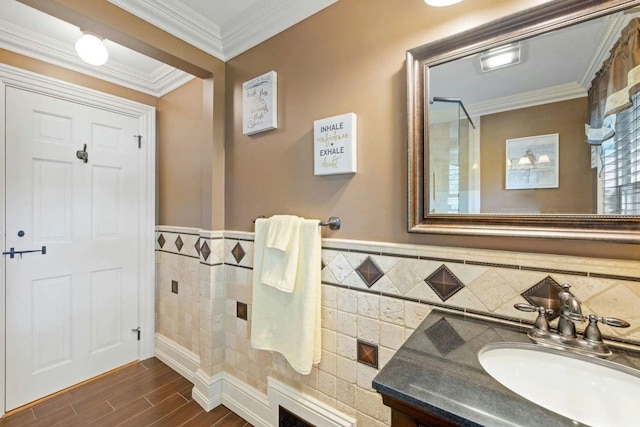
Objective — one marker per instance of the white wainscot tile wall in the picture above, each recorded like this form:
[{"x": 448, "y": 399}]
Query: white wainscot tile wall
[{"x": 374, "y": 293}]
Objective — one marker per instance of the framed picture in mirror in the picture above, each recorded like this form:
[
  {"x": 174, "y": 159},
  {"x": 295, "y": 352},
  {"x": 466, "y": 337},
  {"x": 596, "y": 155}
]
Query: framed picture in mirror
[{"x": 532, "y": 162}]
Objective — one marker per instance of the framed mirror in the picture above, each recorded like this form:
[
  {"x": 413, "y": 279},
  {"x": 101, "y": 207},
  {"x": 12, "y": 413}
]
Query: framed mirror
[{"x": 531, "y": 144}]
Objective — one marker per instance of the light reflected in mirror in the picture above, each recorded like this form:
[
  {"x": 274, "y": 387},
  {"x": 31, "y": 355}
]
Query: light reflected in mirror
[{"x": 507, "y": 152}]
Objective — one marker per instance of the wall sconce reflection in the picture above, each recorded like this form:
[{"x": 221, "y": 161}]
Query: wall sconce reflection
[{"x": 529, "y": 160}]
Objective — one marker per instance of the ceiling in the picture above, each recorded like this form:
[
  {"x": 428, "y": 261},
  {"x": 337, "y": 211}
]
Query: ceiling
[
  {"x": 222, "y": 28},
  {"x": 227, "y": 28},
  {"x": 554, "y": 66}
]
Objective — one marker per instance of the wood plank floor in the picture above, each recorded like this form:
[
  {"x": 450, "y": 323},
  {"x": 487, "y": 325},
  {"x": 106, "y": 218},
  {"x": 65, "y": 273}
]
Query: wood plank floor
[{"x": 148, "y": 393}]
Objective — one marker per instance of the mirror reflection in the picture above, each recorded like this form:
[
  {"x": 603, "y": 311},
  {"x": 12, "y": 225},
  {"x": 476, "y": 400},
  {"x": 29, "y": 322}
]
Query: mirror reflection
[{"x": 546, "y": 125}]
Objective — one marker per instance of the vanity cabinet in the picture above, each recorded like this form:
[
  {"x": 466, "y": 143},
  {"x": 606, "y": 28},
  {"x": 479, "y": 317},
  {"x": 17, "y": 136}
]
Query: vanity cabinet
[{"x": 403, "y": 415}]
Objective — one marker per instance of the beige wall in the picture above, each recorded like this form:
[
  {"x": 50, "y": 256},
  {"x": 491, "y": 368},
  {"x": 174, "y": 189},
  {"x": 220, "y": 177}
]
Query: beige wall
[
  {"x": 350, "y": 58},
  {"x": 190, "y": 161},
  {"x": 576, "y": 178},
  {"x": 181, "y": 127}
]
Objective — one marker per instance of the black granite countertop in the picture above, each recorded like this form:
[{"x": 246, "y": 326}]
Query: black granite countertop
[{"x": 437, "y": 370}]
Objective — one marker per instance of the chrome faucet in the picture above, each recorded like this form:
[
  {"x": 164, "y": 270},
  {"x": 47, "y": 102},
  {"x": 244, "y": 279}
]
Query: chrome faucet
[{"x": 566, "y": 337}]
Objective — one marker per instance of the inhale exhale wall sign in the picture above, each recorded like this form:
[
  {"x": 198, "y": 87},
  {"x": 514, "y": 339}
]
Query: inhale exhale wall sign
[
  {"x": 260, "y": 104},
  {"x": 334, "y": 145}
]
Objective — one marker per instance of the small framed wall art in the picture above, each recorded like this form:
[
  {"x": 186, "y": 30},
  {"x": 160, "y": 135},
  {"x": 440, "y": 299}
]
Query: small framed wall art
[
  {"x": 260, "y": 104},
  {"x": 334, "y": 145}
]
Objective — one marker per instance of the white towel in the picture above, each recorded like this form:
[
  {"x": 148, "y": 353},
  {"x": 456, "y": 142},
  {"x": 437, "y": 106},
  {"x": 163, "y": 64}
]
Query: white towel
[
  {"x": 289, "y": 323},
  {"x": 282, "y": 230},
  {"x": 281, "y": 251}
]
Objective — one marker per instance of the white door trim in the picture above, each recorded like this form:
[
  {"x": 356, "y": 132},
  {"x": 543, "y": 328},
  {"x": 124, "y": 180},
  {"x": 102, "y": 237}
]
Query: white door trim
[{"x": 26, "y": 80}]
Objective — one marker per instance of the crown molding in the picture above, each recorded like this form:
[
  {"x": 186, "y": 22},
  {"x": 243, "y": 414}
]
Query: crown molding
[
  {"x": 265, "y": 19},
  {"x": 549, "y": 95},
  {"x": 528, "y": 99},
  {"x": 42, "y": 48},
  {"x": 166, "y": 78},
  {"x": 179, "y": 20}
]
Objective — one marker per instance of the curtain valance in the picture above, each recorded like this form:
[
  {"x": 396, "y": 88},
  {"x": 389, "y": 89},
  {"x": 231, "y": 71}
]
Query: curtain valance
[{"x": 614, "y": 85}]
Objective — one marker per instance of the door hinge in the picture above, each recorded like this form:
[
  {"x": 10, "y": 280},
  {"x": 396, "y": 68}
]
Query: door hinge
[
  {"x": 139, "y": 140},
  {"x": 137, "y": 330}
]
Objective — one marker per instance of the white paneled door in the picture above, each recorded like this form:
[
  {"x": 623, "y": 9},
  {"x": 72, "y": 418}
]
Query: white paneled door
[{"x": 70, "y": 311}]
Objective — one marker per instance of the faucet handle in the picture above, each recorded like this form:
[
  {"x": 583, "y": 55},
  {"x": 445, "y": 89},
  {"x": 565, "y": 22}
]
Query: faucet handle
[
  {"x": 592, "y": 332},
  {"x": 525, "y": 307},
  {"x": 541, "y": 323},
  {"x": 532, "y": 308},
  {"x": 611, "y": 321}
]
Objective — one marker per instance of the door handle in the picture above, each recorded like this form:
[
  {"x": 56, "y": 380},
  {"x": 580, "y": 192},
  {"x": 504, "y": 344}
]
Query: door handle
[{"x": 12, "y": 252}]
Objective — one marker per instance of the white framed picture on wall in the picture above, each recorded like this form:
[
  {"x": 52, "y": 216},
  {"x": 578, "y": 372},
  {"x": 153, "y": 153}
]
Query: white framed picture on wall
[
  {"x": 532, "y": 162},
  {"x": 335, "y": 145},
  {"x": 260, "y": 104}
]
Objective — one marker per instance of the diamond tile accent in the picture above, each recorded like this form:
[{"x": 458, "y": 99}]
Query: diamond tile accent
[
  {"x": 444, "y": 336},
  {"x": 161, "y": 241},
  {"x": 369, "y": 272},
  {"x": 205, "y": 251},
  {"x": 368, "y": 354},
  {"x": 238, "y": 253},
  {"x": 197, "y": 246},
  {"x": 545, "y": 293},
  {"x": 444, "y": 283},
  {"x": 179, "y": 243}
]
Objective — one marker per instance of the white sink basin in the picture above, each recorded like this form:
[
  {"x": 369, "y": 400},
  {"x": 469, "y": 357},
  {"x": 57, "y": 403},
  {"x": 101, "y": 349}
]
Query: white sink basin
[{"x": 588, "y": 390}]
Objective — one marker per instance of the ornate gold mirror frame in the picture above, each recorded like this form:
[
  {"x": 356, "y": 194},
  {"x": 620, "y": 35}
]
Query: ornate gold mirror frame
[{"x": 547, "y": 17}]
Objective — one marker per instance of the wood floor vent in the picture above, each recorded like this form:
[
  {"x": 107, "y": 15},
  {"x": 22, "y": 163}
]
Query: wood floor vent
[{"x": 288, "y": 419}]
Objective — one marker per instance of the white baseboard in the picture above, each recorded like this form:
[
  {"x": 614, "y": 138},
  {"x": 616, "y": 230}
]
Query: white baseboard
[
  {"x": 247, "y": 402},
  {"x": 178, "y": 358},
  {"x": 207, "y": 391},
  {"x": 305, "y": 407},
  {"x": 255, "y": 407}
]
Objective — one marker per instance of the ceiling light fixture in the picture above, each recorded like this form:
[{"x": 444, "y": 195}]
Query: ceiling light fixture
[
  {"x": 500, "y": 57},
  {"x": 441, "y": 3},
  {"x": 91, "y": 49}
]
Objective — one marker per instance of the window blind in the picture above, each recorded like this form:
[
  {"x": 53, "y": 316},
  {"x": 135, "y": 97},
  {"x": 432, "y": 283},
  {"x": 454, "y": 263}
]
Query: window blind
[{"x": 621, "y": 164}]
